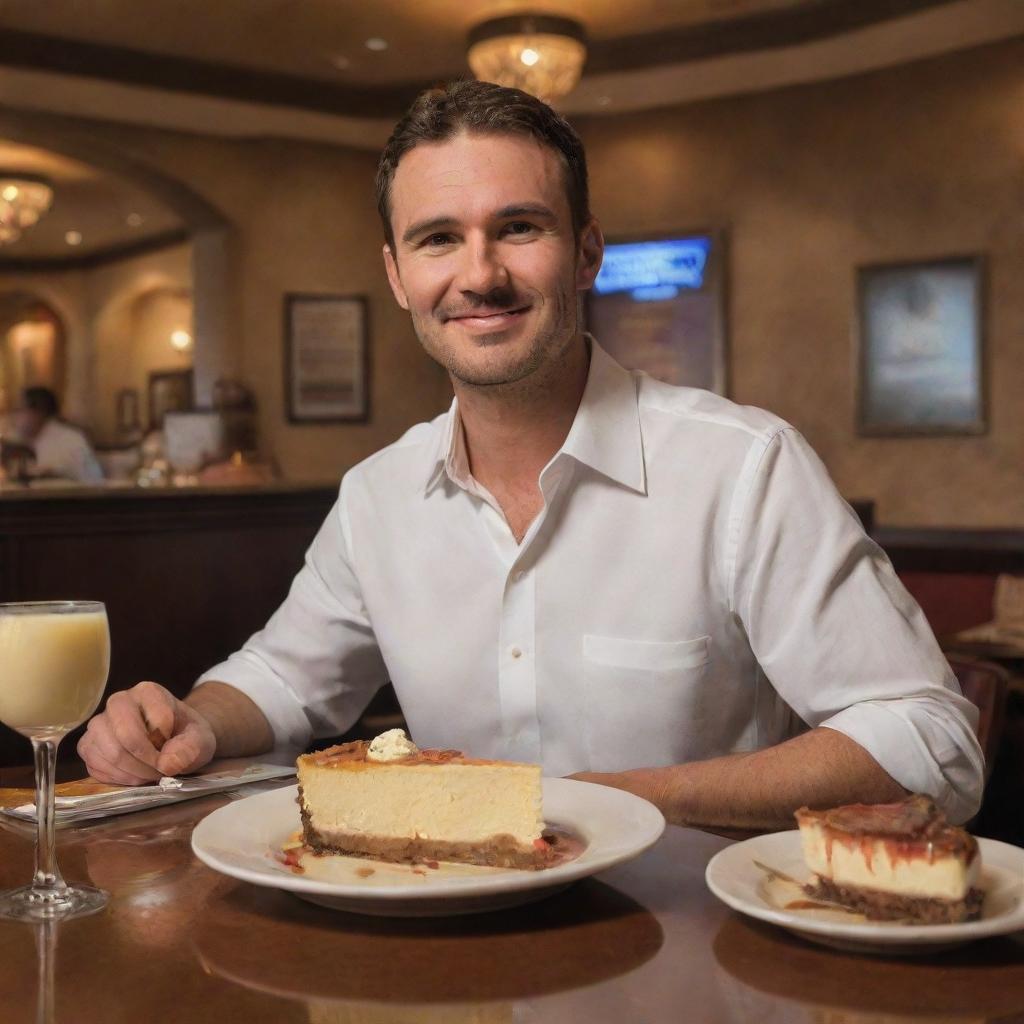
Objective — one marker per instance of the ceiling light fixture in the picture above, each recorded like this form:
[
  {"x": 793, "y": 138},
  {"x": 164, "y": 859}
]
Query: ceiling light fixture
[
  {"x": 181, "y": 340},
  {"x": 376, "y": 44},
  {"x": 73, "y": 237},
  {"x": 538, "y": 53},
  {"x": 24, "y": 198}
]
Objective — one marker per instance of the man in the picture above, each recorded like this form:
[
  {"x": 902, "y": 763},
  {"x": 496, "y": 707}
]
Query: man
[
  {"x": 57, "y": 448},
  {"x": 643, "y": 585}
]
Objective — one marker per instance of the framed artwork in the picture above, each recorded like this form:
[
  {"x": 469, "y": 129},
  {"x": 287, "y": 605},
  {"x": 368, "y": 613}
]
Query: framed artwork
[
  {"x": 658, "y": 305},
  {"x": 127, "y": 410},
  {"x": 169, "y": 391},
  {"x": 921, "y": 352},
  {"x": 327, "y": 363}
]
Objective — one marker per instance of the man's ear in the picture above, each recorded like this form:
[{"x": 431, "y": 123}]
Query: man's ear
[
  {"x": 393, "y": 279},
  {"x": 590, "y": 253}
]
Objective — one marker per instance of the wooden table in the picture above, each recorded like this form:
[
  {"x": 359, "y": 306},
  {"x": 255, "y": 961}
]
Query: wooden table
[{"x": 642, "y": 944}]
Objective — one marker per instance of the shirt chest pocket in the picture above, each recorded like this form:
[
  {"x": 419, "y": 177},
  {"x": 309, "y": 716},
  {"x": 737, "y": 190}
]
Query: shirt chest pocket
[{"x": 645, "y": 702}]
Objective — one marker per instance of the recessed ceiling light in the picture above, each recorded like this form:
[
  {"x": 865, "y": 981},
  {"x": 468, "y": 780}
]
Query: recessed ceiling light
[
  {"x": 376, "y": 44},
  {"x": 181, "y": 340},
  {"x": 133, "y": 220},
  {"x": 341, "y": 62},
  {"x": 604, "y": 101},
  {"x": 73, "y": 237}
]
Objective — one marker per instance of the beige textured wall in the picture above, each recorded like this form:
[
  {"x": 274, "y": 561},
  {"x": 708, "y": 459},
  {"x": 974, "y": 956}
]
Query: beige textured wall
[
  {"x": 809, "y": 182},
  {"x": 133, "y": 306},
  {"x": 304, "y": 220}
]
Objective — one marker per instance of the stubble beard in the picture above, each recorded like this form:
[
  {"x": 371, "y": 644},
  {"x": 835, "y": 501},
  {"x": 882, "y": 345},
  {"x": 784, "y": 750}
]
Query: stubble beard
[{"x": 542, "y": 359}]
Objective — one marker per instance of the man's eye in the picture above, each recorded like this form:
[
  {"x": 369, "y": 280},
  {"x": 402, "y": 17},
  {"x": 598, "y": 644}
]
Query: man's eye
[
  {"x": 519, "y": 227},
  {"x": 438, "y": 240}
]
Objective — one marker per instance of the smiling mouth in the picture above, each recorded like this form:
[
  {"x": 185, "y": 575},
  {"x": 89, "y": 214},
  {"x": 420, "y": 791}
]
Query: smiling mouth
[{"x": 492, "y": 318}]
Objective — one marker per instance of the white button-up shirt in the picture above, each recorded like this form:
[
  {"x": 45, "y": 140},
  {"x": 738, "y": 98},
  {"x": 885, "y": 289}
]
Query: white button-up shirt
[
  {"x": 62, "y": 450},
  {"x": 693, "y": 586}
]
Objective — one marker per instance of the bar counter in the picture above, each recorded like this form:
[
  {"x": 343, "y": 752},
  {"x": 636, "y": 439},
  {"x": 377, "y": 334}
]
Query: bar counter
[
  {"x": 187, "y": 574},
  {"x": 643, "y": 943}
]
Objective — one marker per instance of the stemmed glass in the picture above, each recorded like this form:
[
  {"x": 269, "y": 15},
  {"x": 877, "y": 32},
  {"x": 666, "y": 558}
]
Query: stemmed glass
[{"x": 54, "y": 659}]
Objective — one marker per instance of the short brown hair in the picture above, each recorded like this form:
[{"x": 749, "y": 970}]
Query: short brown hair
[
  {"x": 41, "y": 400},
  {"x": 483, "y": 108}
]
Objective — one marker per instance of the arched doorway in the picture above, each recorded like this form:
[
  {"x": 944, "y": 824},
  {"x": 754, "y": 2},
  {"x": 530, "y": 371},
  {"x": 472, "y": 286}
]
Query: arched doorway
[
  {"x": 32, "y": 347},
  {"x": 215, "y": 313}
]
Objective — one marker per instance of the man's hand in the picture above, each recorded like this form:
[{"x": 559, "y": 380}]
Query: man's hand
[{"x": 144, "y": 733}]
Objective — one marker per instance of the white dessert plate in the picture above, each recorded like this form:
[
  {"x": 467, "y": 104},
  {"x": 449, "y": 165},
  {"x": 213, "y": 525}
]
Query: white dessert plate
[
  {"x": 734, "y": 877},
  {"x": 241, "y": 840}
]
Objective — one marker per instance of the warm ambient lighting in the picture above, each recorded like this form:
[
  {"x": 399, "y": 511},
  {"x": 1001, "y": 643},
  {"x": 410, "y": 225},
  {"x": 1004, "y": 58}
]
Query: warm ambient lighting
[
  {"x": 24, "y": 198},
  {"x": 181, "y": 340},
  {"x": 540, "y": 54},
  {"x": 73, "y": 237}
]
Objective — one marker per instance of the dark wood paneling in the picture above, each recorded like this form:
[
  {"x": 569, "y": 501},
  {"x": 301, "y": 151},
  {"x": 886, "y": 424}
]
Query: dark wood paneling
[
  {"x": 186, "y": 577},
  {"x": 953, "y": 551}
]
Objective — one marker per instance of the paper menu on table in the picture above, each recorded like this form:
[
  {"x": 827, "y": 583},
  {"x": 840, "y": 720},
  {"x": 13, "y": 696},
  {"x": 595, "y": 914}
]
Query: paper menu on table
[{"x": 84, "y": 798}]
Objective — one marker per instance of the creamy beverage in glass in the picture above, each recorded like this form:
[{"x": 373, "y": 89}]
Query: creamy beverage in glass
[
  {"x": 53, "y": 669},
  {"x": 54, "y": 658}
]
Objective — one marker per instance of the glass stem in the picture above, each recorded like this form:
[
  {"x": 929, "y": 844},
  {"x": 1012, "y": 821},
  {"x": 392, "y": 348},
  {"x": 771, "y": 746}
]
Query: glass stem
[{"x": 47, "y": 879}]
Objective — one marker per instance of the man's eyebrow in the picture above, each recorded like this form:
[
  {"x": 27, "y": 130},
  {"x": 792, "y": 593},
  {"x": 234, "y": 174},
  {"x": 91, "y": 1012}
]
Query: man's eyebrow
[
  {"x": 526, "y": 210},
  {"x": 426, "y": 227}
]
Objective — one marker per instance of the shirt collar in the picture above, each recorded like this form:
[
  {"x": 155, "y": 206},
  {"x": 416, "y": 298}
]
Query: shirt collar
[
  {"x": 605, "y": 435},
  {"x": 606, "y": 432},
  {"x": 447, "y": 444}
]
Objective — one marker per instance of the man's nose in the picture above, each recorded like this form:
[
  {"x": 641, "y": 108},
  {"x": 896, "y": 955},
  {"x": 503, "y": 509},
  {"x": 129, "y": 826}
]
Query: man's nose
[{"x": 482, "y": 269}]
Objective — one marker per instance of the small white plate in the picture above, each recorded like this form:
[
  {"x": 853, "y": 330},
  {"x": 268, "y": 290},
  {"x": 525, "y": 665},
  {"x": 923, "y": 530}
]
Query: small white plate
[
  {"x": 734, "y": 878},
  {"x": 241, "y": 840}
]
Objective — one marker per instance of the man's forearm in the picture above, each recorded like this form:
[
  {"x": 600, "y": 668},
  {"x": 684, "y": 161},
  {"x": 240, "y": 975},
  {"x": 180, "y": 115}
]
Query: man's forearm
[
  {"x": 238, "y": 724},
  {"x": 760, "y": 791}
]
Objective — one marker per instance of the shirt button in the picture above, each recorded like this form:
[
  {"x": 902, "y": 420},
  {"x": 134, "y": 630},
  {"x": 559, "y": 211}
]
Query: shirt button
[{"x": 515, "y": 652}]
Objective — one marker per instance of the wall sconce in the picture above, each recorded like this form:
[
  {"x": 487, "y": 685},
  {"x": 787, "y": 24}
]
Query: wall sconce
[{"x": 181, "y": 340}]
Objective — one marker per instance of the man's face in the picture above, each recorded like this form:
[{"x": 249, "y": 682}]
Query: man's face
[{"x": 485, "y": 259}]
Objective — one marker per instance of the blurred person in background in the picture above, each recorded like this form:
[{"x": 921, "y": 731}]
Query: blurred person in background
[{"x": 52, "y": 447}]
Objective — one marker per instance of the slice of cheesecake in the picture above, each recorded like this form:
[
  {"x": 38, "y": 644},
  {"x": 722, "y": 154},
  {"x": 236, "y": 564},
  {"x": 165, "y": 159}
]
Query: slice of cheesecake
[
  {"x": 899, "y": 861},
  {"x": 391, "y": 801}
]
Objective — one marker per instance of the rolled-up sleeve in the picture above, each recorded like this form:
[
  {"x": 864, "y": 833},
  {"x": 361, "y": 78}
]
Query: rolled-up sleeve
[
  {"x": 315, "y": 665},
  {"x": 836, "y": 633}
]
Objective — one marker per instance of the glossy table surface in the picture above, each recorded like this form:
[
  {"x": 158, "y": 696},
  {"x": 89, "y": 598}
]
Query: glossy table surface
[{"x": 644, "y": 942}]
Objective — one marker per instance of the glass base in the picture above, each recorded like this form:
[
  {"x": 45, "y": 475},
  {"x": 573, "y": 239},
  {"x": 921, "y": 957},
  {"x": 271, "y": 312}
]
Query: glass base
[{"x": 31, "y": 904}]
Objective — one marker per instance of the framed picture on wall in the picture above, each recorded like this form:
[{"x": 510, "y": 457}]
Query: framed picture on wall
[
  {"x": 327, "y": 364},
  {"x": 921, "y": 351},
  {"x": 658, "y": 305},
  {"x": 168, "y": 391},
  {"x": 127, "y": 410}
]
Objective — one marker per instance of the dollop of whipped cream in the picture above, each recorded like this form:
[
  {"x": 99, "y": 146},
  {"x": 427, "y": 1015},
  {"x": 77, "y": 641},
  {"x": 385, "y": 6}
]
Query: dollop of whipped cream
[{"x": 391, "y": 746}]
